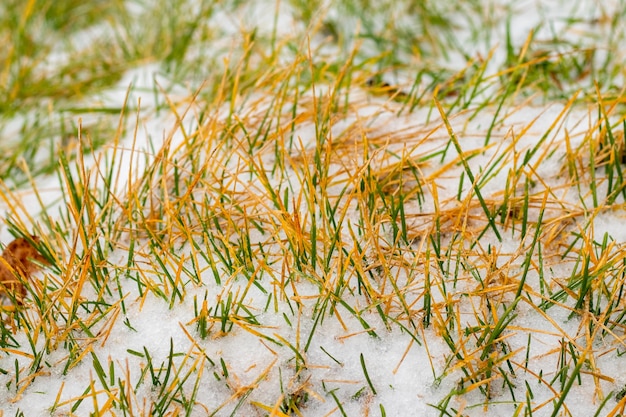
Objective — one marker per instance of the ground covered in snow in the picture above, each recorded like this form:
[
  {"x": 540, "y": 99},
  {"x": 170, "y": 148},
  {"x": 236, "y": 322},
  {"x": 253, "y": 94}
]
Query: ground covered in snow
[{"x": 315, "y": 224}]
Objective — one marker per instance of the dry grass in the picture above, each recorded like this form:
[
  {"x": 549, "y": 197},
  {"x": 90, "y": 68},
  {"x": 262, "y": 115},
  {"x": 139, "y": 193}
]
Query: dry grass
[{"x": 295, "y": 197}]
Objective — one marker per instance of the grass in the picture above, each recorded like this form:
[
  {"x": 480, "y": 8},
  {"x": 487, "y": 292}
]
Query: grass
[{"x": 347, "y": 178}]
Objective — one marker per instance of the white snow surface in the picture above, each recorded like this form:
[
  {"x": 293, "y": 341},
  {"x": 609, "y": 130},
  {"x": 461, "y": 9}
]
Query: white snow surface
[{"x": 406, "y": 375}]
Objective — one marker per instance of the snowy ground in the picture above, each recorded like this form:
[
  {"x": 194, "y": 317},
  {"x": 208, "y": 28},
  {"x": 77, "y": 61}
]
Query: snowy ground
[{"x": 320, "y": 342}]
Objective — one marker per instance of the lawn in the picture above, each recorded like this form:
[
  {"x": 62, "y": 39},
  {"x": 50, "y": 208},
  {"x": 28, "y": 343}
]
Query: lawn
[{"x": 314, "y": 208}]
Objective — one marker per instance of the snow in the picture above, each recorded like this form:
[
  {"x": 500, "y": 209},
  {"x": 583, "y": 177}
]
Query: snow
[{"x": 408, "y": 376}]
